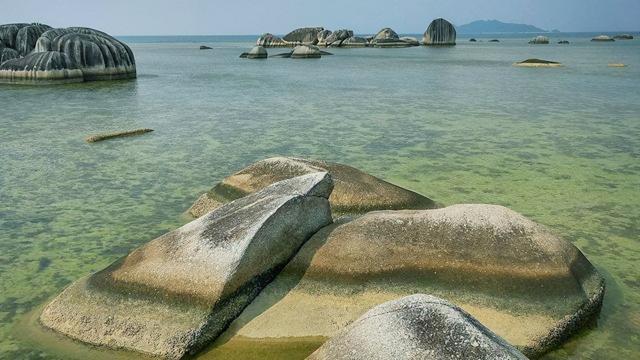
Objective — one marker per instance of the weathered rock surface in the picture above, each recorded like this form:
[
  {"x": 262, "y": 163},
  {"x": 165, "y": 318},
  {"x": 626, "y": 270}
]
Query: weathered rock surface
[
  {"x": 175, "y": 294},
  {"x": 410, "y": 40},
  {"x": 269, "y": 40},
  {"x": 517, "y": 278},
  {"x": 387, "y": 38},
  {"x": 603, "y": 38},
  {"x": 56, "y": 55},
  {"x": 537, "y": 63},
  {"x": 539, "y": 40},
  {"x": 440, "y": 33},
  {"x": 416, "y": 327},
  {"x": 257, "y": 52},
  {"x": 303, "y": 36},
  {"x": 355, "y": 191},
  {"x": 306, "y": 52},
  {"x": 354, "y": 42},
  {"x": 7, "y": 54},
  {"x": 337, "y": 37},
  {"x": 623, "y": 37},
  {"x": 116, "y": 134},
  {"x": 41, "y": 67},
  {"x": 322, "y": 37}
]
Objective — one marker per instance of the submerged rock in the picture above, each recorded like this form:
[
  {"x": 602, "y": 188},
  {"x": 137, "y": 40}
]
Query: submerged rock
[
  {"x": 539, "y": 40},
  {"x": 603, "y": 38},
  {"x": 355, "y": 191},
  {"x": 537, "y": 63},
  {"x": 269, "y": 40},
  {"x": 204, "y": 47},
  {"x": 494, "y": 41},
  {"x": 303, "y": 36},
  {"x": 416, "y": 327},
  {"x": 563, "y": 42},
  {"x": 97, "y": 55},
  {"x": 472, "y": 40},
  {"x": 440, "y": 32},
  {"x": 524, "y": 283},
  {"x": 623, "y": 37},
  {"x": 178, "y": 292},
  {"x": 116, "y": 134},
  {"x": 257, "y": 52}
]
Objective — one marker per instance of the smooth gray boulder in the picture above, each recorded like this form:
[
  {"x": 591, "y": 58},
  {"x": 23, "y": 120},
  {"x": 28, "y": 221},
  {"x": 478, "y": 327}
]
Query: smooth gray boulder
[
  {"x": 27, "y": 37},
  {"x": 303, "y": 36},
  {"x": 410, "y": 40},
  {"x": 355, "y": 192},
  {"x": 177, "y": 293},
  {"x": 41, "y": 67},
  {"x": 386, "y": 34},
  {"x": 257, "y": 52},
  {"x": 387, "y": 38},
  {"x": 355, "y": 42},
  {"x": 416, "y": 327},
  {"x": 440, "y": 33},
  {"x": 306, "y": 52},
  {"x": 539, "y": 40},
  {"x": 269, "y": 40},
  {"x": 603, "y": 38}
]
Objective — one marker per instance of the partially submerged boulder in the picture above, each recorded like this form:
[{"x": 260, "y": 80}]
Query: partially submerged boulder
[
  {"x": 303, "y": 36},
  {"x": 416, "y": 327},
  {"x": 269, "y": 40},
  {"x": 337, "y": 37},
  {"x": 355, "y": 191},
  {"x": 440, "y": 33},
  {"x": 57, "y": 55},
  {"x": 603, "y": 38},
  {"x": 7, "y": 54},
  {"x": 116, "y": 134},
  {"x": 524, "y": 283},
  {"x": 539, "y": 40},
  {"x": 175, "y": 294},
  {"x": 257, "y": 52},
  {"x": 410, "y": 40},
  {"x": 564, "y": 42},
  {"x": 355, "y": 42},
  {"x": 623, "y": 37},
  {"x": 306, "y": 52},
  {"x": 537, "y": 63},
  {"x": 387, "y": 38},
  {"x": 205, "y": 47}
]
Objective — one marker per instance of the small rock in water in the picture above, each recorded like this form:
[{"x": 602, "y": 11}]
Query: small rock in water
[
  {"x": 537, "y": 63},
  {"x": 473, "y": 40},
  {"x": 617, "y": 65},
  {"x": 539, "y": 40},
  {"x": 117, "y": 134},
  {"x": 623, "y": 37},
  {"x": 603, "y": 38},
  {"x": 204, "y": 47},
  {"x": 494, "y": 41},
  {"x": 563, "y": 42},
  {"x": 257, "y": 52}
]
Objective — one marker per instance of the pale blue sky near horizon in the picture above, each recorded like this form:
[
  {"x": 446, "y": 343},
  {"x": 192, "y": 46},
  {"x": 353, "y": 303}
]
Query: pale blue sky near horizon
[{"x": 245, "y": 17}]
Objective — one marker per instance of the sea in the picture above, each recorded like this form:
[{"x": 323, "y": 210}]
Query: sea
[{"x": 457, "y": 124}]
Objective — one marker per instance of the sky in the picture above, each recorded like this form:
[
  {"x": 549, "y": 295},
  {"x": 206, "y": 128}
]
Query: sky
[{"x": 250, "y": 17}]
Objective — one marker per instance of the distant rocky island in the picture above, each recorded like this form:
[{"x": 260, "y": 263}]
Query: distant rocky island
[{"x": 497, "y": 27}]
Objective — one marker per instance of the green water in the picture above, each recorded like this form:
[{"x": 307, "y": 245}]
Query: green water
[{"x": 460, "y": 125}]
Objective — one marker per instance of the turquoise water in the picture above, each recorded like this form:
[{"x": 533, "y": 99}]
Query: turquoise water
[{"x": 460, "y": 125}]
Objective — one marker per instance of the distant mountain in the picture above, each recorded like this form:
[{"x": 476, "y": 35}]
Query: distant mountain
[{"x": 495, "y": 27}]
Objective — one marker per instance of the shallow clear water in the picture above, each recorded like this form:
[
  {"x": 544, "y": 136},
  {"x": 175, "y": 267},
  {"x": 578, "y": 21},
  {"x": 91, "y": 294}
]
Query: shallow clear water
[{"x": 460, "y": 125}]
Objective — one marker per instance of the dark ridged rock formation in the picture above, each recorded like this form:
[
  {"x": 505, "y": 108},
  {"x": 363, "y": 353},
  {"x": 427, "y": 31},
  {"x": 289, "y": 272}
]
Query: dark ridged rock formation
[
  {"x": 337, "y": 37},
  {"x": 62, "y": 54},
  {"x": 269, "y": 40},
  {"x": 41, "y": 67},
  {"x": 322, "y": 37},
  {"x": 7, "y": 54},
  {"x": 303, "y": 36},
  {"x": 28, "y": 36},
  {"x": 440, "y": 33}
]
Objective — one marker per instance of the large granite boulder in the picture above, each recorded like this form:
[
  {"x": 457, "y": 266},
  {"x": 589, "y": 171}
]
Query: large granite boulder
[
  {"x": 385, "y": 34},
  {"x": 440, "y": 33},
  {"x": 355, "y": 191},
  {"x": 9, "y": 32},
  {"x": 416, "y": 327},
  {"x": 269, "y": 40},
  {"x": 7, "y": 53},
  {"x": 97, "y": 55},
  {"x": 603, "y": 38},
  {"x": 41, "y": 67},
  {"x": 623, "y": 37},
  {"x": 306, "y": 52},
  {"x": 517, "y": 278},
  {"x": 410, "y": 40},
  {"x": 27, "y": 37},
  {"x": 539, "y": 40},
  {"x": 303, "y": 36},
  {"x": 257, "y": 52},
  {"x": 337, "y": 37},
  {"x": 175, "y": 294},
  {"x": 322, "y": 37},
  {"x": 354, "y": 42}
]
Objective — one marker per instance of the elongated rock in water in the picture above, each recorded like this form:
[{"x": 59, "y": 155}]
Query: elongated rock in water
[
  {"x": 117, "y": 134},
  {"x": 440, "y": 32},
  {"x": 355, "y": 191},
  {"x": 537, "y": 63},
  {"x": 524, "y": 283},
  {"x": 416, "y": 327},
  {"x": 178, "y": 292}
]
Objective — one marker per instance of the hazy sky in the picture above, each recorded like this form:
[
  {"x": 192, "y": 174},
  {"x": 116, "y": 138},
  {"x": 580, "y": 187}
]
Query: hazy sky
[{"x": 238, "y": 17}]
